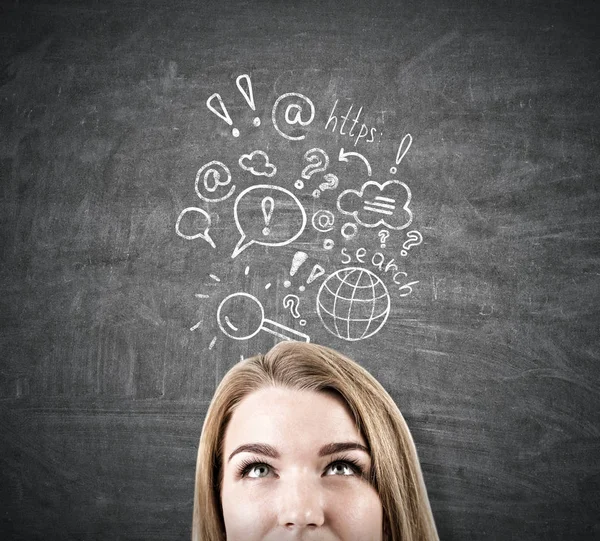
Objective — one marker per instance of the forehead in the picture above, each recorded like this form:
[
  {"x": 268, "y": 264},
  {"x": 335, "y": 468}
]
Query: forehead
[{"x": 288, "y": 418}]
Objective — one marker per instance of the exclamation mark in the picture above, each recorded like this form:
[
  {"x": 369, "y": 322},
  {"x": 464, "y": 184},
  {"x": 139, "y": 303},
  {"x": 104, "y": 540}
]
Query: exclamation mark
[
  {"x": 248, "y": 94},
  {"x": 297, "y": 260},
  {"x": 315, "y": 273},
  {"x": 222, "y": 114},
  {"x": 402, "y": 150},
  {"x": 267, "y": 205},
  {"x": 221, "y": 111}
]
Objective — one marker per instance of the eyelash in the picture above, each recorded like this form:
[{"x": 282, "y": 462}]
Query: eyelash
[{"x": 249, "y": 463}]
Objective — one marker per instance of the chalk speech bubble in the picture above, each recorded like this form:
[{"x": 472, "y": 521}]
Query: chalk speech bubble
[
  {"x": 192, "y": 213},
  {"x": 267, "y": 215},
  {"x": 257, "y": 162},
  {"x": 375, "y": 204}
]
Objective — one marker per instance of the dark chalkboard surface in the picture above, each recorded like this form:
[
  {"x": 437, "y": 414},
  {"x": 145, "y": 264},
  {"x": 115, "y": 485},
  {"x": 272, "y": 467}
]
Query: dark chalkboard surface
[{"x": 187, "y": 183}]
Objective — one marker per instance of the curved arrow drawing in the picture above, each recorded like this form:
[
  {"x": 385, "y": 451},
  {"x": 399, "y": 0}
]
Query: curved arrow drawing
[{"x": 343, "y": 157}]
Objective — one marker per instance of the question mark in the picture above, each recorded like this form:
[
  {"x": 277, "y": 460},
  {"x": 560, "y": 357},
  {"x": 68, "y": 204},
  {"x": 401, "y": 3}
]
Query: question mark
[
  {"x": 383, "y": 236},
  {"x": 319, "y": 161},
  {"x": 414, "y": 239},
  {"x": 331, "y": 183},
  {"x": 292, "y": 302}
]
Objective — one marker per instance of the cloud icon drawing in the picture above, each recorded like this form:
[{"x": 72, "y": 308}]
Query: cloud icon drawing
[
  {"x": 257, "y": 162},
  {"x": 378, "y": 204}
]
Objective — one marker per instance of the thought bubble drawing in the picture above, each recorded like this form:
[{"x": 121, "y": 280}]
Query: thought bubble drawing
[
  {"x": 376, "y": 204},
  {"x": 257, "y": 162},
  {"x": 267, "y": 215},
  {"x": 212, "y": 180},
  {"x": 191, "y": 213}
]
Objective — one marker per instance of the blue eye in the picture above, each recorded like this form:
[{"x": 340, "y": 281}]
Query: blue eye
[
  {"x": 259, "y": 470},
  {"x": 345, "y": 467},
  {"x": 254, "y": 470}
]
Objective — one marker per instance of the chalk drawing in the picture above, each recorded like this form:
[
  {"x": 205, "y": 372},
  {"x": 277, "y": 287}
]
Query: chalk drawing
[
  {"x": 406, "y": 142},
  {"x": 286, "y": 217},
  {"x": 241, "y": 316},
  {"x": 315, "y": 273},
  {"x": 414, "y": 239},
  {"x": 349, "y": 230},
  {"x": 331, "y": 183},
  {"x": 202, "y": 234},
  {"x": 408, "y": 288},
  {"x": 246, "y": 91},
  {"x": 196, "y": 326},
  {"x": 210, "y": 174},
  {"x": 221, "y": 110},
  {"x": 343, "y": 157},
  {"x": 380, "y": 262},
  {"x": 378, "y": 204},
  {"x": 383, "y": 236},
  {"x": 293, "y": 302},
  {"x": 318, "y": 162},
  {"x": 323, "y": 220},
  {"x": 297, "y": 260},
  {"x": 267, "y": 205},
  {"x": 363, "y": 131},
  {"x": 293, "y": 113},
  {"x": 257, "y": 162},
  {"x": 353, "y": 303}
]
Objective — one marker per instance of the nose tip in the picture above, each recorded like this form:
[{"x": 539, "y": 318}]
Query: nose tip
[
  {"x": 301, "y": 506},
  {"x": 301, "y": 519}
]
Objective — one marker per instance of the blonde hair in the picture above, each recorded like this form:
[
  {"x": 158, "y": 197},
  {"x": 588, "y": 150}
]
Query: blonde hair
[{"x": 396, "y": 472}]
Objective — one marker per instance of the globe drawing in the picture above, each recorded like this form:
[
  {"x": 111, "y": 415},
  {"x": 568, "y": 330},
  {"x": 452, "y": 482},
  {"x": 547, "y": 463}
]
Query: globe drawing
[{"x": 353, "y": 303}]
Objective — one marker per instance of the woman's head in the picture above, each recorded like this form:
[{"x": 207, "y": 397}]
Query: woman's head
[{"x": 303, "y": 443}]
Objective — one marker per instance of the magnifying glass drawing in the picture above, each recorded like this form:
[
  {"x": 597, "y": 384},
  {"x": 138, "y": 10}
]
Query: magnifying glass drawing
[{"x": 241, "y": 316}]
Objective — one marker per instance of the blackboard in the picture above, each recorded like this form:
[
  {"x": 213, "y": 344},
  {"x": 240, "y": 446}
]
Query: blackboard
[{"x": 452, "y": 245}]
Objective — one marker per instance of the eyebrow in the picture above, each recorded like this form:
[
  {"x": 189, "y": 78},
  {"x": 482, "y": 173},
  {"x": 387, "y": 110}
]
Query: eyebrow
[{"x": 326, "y": 450}]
